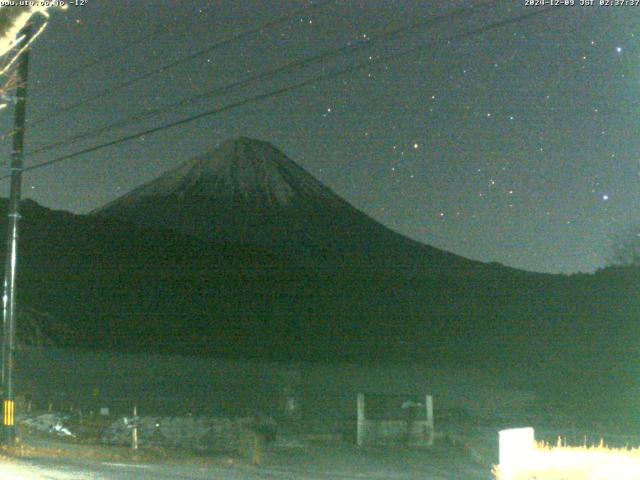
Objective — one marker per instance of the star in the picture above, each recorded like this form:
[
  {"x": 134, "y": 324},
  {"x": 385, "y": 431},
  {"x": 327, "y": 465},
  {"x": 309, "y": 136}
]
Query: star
[{"x": 468, "y": 126}]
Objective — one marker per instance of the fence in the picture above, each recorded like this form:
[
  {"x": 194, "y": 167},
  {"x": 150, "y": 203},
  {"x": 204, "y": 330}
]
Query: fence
[
  {"x": 312, "y": 413},
  {"x": 395, "y": 419}
]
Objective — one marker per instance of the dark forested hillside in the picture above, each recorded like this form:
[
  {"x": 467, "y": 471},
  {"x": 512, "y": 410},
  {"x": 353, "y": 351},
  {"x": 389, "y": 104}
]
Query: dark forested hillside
[{"x": 101, "y": 284}]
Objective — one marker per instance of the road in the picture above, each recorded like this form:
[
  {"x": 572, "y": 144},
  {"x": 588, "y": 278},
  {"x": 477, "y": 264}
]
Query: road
[{"x": 315, "y": 463}]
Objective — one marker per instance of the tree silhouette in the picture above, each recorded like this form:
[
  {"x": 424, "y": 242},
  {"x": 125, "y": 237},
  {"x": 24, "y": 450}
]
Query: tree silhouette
[{"x": 625, "y": 250}]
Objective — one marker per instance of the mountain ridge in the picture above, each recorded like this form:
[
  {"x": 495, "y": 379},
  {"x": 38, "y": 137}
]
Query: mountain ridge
[{"x": 275, "y": 204}]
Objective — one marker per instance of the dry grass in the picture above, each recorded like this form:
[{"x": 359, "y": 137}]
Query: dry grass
[{"x": 560, "y": 462}]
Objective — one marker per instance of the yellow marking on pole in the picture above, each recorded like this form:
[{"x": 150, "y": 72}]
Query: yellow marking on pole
[{"x": 8, "y": 412}]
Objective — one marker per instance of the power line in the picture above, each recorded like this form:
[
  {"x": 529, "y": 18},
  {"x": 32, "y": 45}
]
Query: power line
[
  {"x": 464, "y": 35},
  {"x": 484, "y": 29},
  {"x": 118, "y": 50},
  {"x": 263, "y": 76},
  {"x": 233, "y": 38}
]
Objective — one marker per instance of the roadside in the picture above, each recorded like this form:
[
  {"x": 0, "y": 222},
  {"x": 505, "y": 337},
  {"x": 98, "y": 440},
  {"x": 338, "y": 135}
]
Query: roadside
[{"x": 37, "y": 452}]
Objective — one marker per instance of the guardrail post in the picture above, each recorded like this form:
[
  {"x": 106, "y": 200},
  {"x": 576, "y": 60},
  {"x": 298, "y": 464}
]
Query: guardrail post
[
  {"x": 361, "y": 432},
  {"x": 429, "y": 407},
  {"x": 134, "y": 430}
]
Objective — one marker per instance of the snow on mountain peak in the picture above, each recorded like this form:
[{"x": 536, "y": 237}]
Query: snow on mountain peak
[{"x": 240, "y": 171}]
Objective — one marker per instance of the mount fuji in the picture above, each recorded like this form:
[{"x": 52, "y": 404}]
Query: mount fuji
[{"x": 248, "y": 192}]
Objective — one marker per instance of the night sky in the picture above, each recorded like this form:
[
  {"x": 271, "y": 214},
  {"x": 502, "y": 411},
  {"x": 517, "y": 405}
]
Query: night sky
[{"x": 518, "y": 144}]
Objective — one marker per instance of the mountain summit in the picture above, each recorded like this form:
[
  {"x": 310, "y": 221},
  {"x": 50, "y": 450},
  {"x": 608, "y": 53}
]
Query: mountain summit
[
  {"x": 241, "y": 173},
  {"x": 244, "y": 191}
]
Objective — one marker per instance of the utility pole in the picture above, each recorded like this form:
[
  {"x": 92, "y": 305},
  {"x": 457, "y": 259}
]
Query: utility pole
[{"x": 11, "y": 251}]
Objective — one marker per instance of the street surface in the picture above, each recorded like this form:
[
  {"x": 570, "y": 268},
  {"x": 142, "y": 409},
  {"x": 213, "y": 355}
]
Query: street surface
[{"x": 312, "y": 463}]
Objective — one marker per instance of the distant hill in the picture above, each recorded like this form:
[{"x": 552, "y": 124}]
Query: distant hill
[{"x": 110, "y": 284}]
